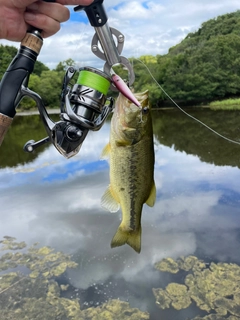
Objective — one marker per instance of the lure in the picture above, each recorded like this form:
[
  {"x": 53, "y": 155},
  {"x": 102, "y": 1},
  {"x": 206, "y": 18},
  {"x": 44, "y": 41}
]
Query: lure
[{"x": 124, "y": 89}]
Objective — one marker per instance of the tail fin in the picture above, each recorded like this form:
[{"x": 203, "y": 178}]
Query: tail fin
[{"x": 132, "y": 238}]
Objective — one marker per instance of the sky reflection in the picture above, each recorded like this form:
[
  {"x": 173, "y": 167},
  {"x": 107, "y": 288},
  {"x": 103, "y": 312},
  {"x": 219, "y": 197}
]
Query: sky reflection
[{"x": 56, "y": 202}]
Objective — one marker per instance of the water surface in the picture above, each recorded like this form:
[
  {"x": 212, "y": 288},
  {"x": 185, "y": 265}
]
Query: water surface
[{"x": 47, "y": 199}]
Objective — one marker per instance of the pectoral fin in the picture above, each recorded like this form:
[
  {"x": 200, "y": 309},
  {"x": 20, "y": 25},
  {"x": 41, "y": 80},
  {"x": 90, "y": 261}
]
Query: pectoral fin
[
  {"x": 152, "y": 196},
  {"x": 108, "y": 202},
  {"x": 106, "y": 152}
]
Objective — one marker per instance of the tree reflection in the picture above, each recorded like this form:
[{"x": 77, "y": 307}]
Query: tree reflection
[{"x": 174, "y": 129}]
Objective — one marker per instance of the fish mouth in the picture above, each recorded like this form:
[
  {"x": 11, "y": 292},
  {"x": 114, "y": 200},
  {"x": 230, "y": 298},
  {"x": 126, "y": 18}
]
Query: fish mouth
[
  {"x": 142, "y": 97},
  {"x": 130, "y": 115}
]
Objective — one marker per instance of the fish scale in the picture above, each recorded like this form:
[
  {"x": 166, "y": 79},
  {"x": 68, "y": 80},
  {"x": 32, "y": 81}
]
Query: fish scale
[{"x": 131, "y": 168}]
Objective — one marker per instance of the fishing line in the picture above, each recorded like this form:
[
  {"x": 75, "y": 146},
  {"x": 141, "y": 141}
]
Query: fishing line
[
  {"x": 187, "y": 114},
  {"x": 94, "y": 81}
]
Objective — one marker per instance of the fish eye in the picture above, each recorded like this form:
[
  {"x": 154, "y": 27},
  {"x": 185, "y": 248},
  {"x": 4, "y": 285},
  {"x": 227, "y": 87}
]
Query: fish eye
[{"x": 145, "y": 110}]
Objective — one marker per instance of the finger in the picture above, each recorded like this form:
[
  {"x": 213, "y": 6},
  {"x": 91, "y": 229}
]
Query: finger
[
  {"x": 54, "y": 11},
  {"x": 75, "y": 2},
  {"x": 21, "y": 4},
  {"x": 48, "y": 25}
]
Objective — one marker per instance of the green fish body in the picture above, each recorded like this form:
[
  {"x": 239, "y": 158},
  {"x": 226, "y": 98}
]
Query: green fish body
[{"x": 131, "y": 153}]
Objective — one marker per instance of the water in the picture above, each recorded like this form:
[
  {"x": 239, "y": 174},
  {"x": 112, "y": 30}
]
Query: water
[{"x": 47, "y": 199}]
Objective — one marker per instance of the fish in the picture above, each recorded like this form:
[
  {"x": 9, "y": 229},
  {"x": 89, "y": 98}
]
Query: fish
[{"x": 131, "y": 153}]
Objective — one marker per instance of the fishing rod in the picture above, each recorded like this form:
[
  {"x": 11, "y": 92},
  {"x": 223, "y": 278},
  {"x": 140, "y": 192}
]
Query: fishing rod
[{"x": 84, "y": 105}]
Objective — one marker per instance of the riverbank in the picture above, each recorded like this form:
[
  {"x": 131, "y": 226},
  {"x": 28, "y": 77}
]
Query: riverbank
[{"x": 226, "y": 104}]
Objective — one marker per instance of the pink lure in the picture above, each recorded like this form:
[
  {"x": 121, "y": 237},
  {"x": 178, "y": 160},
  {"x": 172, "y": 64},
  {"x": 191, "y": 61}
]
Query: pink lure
[{"x": 124, "y": 89}]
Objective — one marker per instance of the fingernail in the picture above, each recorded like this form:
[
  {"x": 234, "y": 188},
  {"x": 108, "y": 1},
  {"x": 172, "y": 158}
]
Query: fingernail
[{"x": 29, "y": 16}]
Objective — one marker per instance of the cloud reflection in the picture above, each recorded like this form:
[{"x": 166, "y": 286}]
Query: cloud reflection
[{"x": 56, "y": 202}]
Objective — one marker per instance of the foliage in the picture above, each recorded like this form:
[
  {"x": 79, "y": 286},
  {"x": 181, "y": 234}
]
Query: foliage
[
  {"x": 48, "y": 86},
  {"x": 39, "y": 67},
  {"x": 226, "y": 104},
  {"x": 63, "y": 65},
  {"x": 204, "y": 67},
  {"x": 22, "y": 130},
  {"x": 211, "y": 70},
  {"x": 7, "y": 53},
  {"x": 206, "y": 64},
  {"x": 145, "y": 67},
  {"x": 174, "y": 129}
]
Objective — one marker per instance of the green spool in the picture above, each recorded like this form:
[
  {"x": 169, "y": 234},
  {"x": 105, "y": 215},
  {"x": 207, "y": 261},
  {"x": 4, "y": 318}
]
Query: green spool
[{"x": 94, "y": 79}]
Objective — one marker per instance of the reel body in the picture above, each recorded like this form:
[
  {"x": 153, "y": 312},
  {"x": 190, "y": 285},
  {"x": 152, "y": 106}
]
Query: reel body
[{"x": 82, "y": 107}]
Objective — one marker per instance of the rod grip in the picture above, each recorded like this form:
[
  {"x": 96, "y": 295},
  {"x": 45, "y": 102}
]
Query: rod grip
[{"x": 5, "y": 123}]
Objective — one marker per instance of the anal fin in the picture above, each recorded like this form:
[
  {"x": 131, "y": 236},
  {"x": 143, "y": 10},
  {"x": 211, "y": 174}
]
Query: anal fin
[{"x": 152, "y": 196}]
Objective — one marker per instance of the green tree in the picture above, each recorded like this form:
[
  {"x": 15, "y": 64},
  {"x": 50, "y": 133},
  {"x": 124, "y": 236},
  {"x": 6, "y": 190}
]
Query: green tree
[
  {"x": 49, "y": 87},
  {"x": 205, "y": 65},
  {"x": 63, "y": 65},
  {"x": 7, "y": 53},
  {"x": 39, "y": 67}
]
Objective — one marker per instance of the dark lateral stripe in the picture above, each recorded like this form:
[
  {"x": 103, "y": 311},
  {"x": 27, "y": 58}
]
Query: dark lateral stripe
[{"x": 133, "y": 181}]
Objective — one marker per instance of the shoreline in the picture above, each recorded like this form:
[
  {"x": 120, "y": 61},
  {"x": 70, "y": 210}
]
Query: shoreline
[
  {"x": 58, "y": 111},
  {"x": 36, "y": 112}
]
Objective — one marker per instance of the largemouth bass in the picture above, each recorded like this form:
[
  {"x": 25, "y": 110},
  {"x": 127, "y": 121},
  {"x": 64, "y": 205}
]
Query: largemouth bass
[{"x": 131, "y": 153}]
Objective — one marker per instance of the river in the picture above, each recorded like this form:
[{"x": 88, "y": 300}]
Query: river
[{"x": 55, "y": 202}]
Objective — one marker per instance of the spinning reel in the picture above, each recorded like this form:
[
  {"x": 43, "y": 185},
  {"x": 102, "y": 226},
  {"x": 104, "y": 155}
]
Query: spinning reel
[{"x": 82, "y": 109}]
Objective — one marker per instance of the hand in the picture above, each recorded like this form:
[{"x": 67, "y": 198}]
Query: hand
[{"x": 17, "y": 15}]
